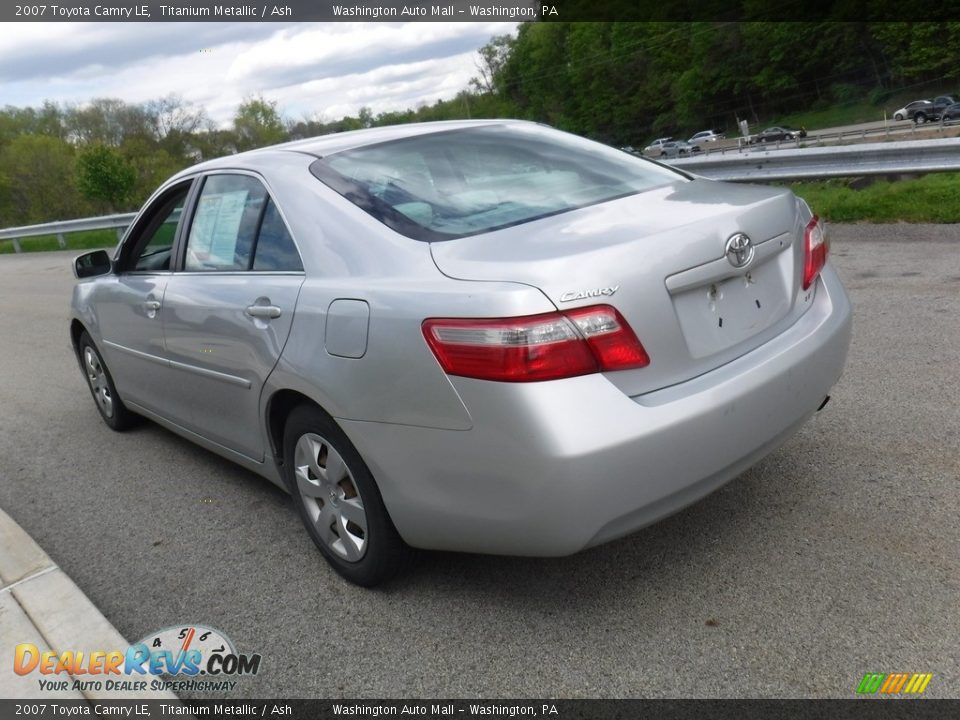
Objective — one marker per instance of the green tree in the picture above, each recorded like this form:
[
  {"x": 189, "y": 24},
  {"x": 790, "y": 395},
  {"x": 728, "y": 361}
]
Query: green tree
[
  {"x": 257, "y": 123},
  {"x": 106, "y": 120},
  {"x": 105, "y": 177},
  {"x": 490, "y": 62},
  {"x": 151, "y": 164},
  {"x": 40, "y": 183}
]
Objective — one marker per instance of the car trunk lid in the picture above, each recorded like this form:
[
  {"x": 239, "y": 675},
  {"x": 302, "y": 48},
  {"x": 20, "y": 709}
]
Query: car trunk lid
[{"x": 660, "y": 258}]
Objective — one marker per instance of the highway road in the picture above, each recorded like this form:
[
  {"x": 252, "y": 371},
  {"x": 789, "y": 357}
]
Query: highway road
[
  {"x": 875, "y": 131},
  {"x": 838, "y": 555}
]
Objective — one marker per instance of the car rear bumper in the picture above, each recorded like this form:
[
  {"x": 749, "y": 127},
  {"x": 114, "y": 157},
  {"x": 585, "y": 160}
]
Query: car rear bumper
[{"x": 551, "y": 468}]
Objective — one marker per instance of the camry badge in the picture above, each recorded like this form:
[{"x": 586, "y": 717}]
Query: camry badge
[
  {"x": 583, "y": 294},
  {"x": 739, "y": 250}
]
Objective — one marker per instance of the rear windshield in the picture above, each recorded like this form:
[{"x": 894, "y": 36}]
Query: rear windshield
[{"x": 464, "y": 182}]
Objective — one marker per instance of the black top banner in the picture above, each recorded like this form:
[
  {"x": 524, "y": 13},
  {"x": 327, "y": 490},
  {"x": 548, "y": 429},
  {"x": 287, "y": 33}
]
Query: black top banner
[{"x": 479, "y": 11}]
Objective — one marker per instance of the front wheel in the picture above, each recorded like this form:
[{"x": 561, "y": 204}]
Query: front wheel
[
  {"x": 338, "y": 500},
  {"x": 898, "y": 116},
  {"x": 114, "y": 413}
]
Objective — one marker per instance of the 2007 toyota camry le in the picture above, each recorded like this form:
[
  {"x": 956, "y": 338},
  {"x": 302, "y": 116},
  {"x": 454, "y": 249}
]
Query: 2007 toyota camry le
[{"x": 483, "y": 336}]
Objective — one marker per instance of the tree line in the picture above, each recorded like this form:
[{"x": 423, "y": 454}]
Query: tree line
[{"x": 621, "y": 83}]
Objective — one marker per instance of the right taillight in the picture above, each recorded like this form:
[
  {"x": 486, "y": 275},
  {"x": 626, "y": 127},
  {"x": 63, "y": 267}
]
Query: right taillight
[
  {"x": 535, "y": 347},
  {"x": 815, "y": 248}
]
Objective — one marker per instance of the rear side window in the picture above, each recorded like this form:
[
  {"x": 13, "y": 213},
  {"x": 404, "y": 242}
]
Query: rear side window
[
  {"x": 455, "y": 183},
  {"x": 275, "y": 248}
]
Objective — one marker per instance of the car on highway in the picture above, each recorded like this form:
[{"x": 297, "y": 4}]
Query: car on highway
[
  {"x": 479, "y": 336},
  {"x": 908, "y": 111},
  {"x": 922, "y": 111},
  {"x": 678, "y": 148},
  {"x": 950, "y": 115},
  {"x": 706, "y": 136},
  {"x": 656, "y": 146},
  {"x": 777, "y": 134}
]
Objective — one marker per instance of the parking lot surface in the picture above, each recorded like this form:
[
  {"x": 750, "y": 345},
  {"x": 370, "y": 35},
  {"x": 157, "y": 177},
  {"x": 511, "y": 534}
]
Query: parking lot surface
[{"x": 837, "y": 555}]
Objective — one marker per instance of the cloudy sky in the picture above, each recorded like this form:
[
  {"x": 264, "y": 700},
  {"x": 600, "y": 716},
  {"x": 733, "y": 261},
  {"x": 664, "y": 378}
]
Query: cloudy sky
[{"x": 312, "y": 70}]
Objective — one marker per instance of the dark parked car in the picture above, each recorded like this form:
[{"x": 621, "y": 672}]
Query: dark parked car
[
  {"x": 778, "y": 133},
  {"x": 943, "y": 101},
  {"x": 950, "y": 115}
]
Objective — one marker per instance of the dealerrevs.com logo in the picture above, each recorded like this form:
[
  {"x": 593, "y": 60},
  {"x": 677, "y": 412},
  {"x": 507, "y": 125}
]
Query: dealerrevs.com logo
[
  {"x": 185, "y": 658},
  {"x": 894, "y": 683}
]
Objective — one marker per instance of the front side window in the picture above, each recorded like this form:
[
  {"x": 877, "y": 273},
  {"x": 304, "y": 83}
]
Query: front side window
[
  {"x": 464, "y": 182},
  {"x": 150, "y": 250}
]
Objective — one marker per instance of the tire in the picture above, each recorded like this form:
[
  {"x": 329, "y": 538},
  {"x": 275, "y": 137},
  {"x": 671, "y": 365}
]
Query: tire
[
  {"x": 919, "y": 118},
  {"x": 343, "y": 514},
  {"x": 114, "y": 413},
  {"x": 898, "y": 116}
]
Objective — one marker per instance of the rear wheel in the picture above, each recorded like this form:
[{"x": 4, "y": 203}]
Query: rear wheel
[
  {"x": 920, "y": 118},
  {"x": 338, "y": 500},
  {"x": 114, "y": 413}
]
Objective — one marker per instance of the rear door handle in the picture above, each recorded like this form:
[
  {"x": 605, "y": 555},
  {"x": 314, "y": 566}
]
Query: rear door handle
[{"x": 266, "y": 312}]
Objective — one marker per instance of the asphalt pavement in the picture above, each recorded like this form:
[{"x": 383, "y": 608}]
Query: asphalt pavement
[{"x": 837, "y": 555}]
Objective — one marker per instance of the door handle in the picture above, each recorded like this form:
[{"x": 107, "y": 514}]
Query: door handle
[
  {"x": 150, "y": 308},
  {"x": 266, "y": 312}
]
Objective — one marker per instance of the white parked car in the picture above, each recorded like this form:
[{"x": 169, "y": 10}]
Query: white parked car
[
  {"x": 656, "y": 147},
  {"x": 706, "y": 136}
]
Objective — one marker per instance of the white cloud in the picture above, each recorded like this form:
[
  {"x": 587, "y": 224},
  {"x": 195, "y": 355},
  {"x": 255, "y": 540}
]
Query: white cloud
[{"x": 310, "y": 69}]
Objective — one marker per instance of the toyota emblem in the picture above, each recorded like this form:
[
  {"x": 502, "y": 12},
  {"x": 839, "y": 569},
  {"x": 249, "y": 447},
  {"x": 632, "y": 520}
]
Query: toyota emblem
[{"x": 739, "y": 250}]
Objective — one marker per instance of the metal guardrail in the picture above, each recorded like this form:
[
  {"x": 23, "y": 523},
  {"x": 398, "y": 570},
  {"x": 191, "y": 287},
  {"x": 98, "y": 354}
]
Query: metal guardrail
[
  {"x": 888, "y": 158},
  {"x": 60, "y": 228}
]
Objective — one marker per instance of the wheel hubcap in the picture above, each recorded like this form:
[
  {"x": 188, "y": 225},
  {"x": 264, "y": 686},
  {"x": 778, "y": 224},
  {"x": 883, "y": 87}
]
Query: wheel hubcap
[
  {"x": 331, "y": 497},
  {"x": 98, "y": 381}
]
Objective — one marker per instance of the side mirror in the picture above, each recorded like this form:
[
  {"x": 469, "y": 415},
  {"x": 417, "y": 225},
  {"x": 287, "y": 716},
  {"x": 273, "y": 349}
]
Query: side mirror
[{"x": 92, "y": 264}]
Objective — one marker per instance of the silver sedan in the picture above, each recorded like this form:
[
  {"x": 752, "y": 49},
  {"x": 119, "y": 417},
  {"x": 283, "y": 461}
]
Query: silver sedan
[{"x": 482, "y": 336}]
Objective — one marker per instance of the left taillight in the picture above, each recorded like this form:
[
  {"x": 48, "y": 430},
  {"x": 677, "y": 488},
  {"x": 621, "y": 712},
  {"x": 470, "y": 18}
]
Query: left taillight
[
  {"x": 815, "y": 248},
  {"x": 535, "y": 347}
]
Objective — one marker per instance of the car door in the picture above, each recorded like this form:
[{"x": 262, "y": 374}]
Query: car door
[
  {"x": 128, "y": 304},
  {"x": 228, "y": 309}
]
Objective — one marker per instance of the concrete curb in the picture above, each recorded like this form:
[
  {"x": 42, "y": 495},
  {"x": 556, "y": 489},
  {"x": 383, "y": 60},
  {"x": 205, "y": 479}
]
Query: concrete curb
[{"x": 40, "y": 604}]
